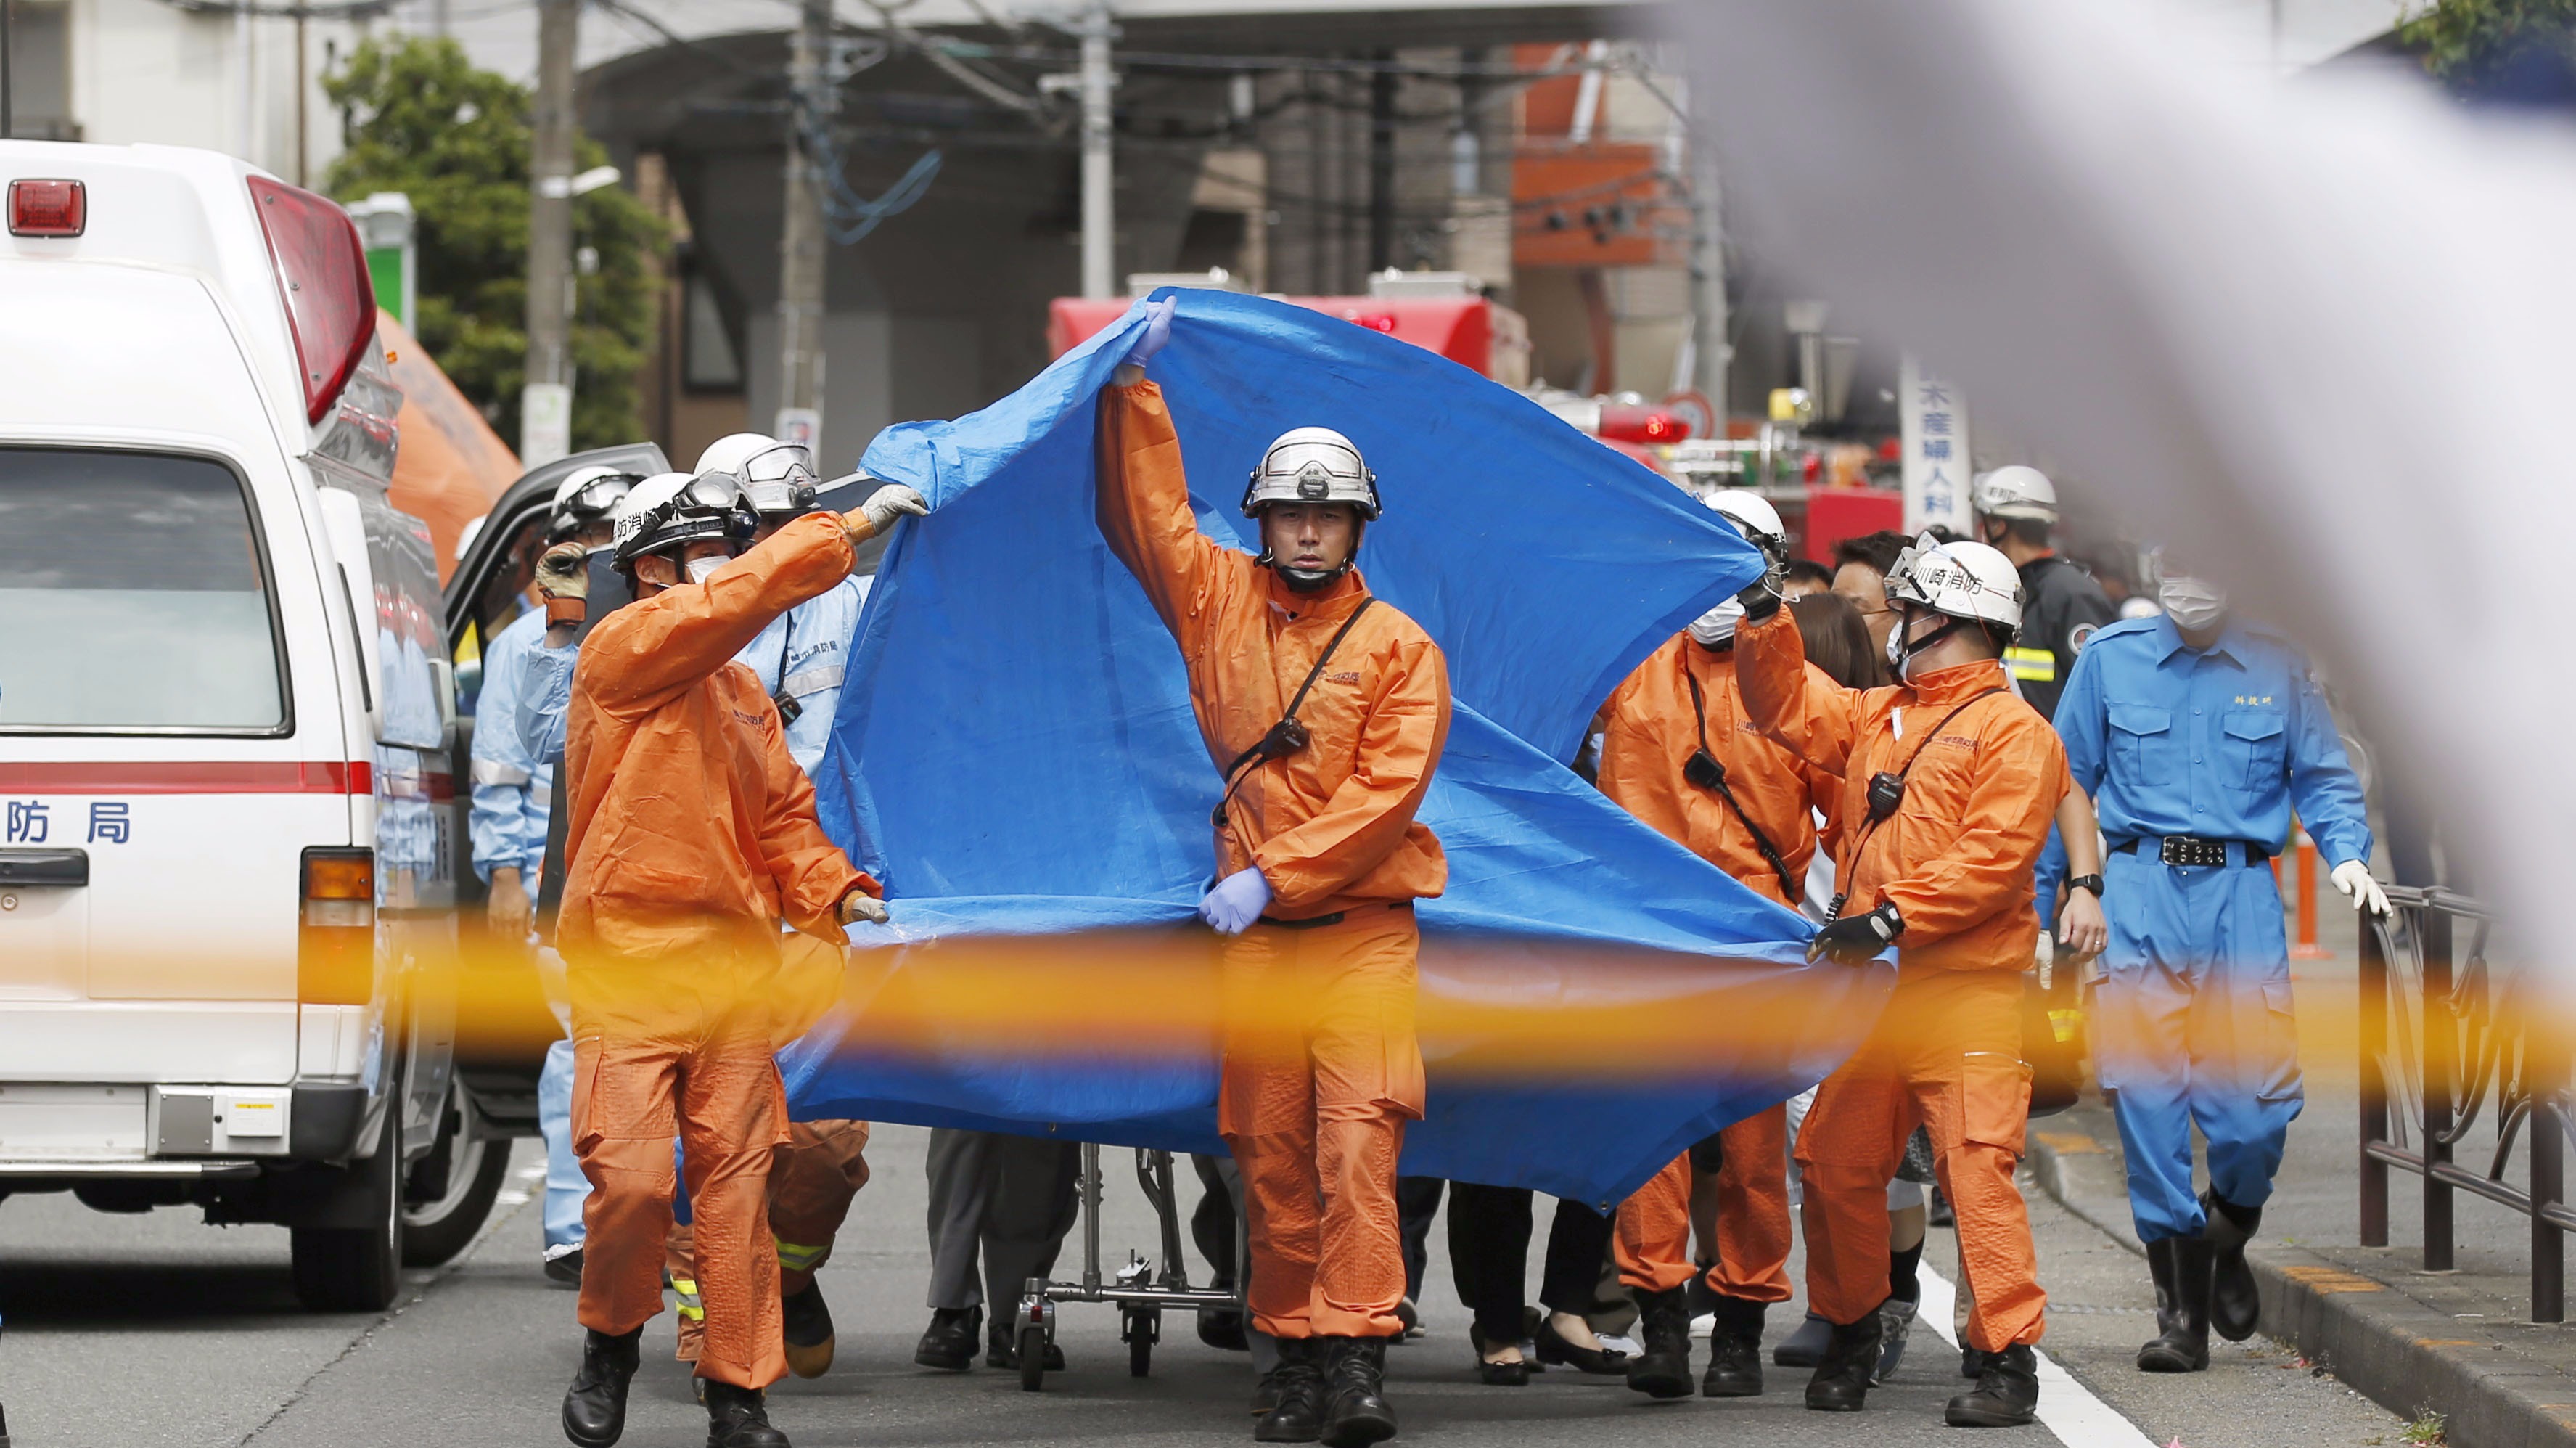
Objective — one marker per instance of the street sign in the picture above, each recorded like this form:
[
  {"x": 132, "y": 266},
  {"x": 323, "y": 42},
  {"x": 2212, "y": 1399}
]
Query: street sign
[{"x": 1935, "y": 419}]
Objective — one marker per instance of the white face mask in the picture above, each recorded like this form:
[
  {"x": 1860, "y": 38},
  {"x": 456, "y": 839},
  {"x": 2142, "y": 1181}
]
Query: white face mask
[
  {"x": 699, "y": 568},
  {"x": 2192, "y": 603},
  {"x": 1896, "y": 645},
  {"x": 1718, "y": 624}
]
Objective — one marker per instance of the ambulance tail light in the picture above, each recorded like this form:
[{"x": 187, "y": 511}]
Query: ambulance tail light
[
  {"x": 335, "y": 959},
  {"x": 48, "y": 208},
  {"x": 1628, "y": 423},
  {"x": 322, "y": 278}
]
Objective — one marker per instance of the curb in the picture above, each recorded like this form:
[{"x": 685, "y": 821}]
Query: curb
[{"x": 2403, "y": 1354}]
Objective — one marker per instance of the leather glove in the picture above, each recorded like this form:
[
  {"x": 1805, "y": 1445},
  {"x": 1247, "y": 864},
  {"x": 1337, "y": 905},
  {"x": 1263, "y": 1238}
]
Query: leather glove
[
  {"x": 1857, "y": 939},
  {"x": 1760, "y": 598},
  {"x": 1236, "y": 901},
  {"x": 859, "y": 906},
  {"x": 2352, "y": 877},
  {"x": 564, "y": 571},
  {"x": 889, "y": 503},
  {"x": 1158, "y": 331}
]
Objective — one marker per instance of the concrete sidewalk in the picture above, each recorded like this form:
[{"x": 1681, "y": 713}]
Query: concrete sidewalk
[{"x": 2459, "y": 1344}]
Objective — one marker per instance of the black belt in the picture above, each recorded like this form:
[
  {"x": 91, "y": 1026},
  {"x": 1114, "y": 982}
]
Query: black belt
[
  {"x": 2195, "y": 850},
  {"x": 1317, "y": 922}
]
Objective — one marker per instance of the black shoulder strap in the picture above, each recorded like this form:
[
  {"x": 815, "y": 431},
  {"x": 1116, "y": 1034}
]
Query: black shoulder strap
[
  {"x": 1789, "y": 890},
  {"x": 1870, "y": 830},
  {"x": 1269, "y": 745}
]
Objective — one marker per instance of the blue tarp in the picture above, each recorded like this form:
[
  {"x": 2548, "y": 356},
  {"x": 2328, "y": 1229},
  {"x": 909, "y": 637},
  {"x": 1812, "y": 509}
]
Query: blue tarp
[{"x": 1016, "y": 754}]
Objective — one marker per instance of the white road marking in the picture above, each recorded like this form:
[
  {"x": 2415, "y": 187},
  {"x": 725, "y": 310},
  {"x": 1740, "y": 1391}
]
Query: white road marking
[
  {"x": 2066, "y": 1407},
  {"x": 532, "y": 1173},
  {"x": 511, "y": 1198}
]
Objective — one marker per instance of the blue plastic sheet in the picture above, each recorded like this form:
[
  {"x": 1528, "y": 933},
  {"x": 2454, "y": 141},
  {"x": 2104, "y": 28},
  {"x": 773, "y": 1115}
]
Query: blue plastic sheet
[{"x": 1016, "y": 754}]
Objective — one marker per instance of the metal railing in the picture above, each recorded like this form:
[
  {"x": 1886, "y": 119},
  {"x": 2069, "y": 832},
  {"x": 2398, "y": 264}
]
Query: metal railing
[{"x": 2441, "y": 1045}]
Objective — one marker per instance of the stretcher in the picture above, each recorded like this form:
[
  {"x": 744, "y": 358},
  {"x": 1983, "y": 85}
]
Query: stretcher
[{"x": 1140, "y": 1291}]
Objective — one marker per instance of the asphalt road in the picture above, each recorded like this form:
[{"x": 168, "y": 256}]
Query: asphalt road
[{"x": 143, "y": 1331}]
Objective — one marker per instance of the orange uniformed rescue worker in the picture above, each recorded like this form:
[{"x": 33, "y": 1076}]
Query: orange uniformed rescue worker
[
  {"x": 1678, "y": 752},
  {"x": 1326, "y": 710},
  {"x": 692, "y": 836},
  {"x": 1949, "y": 784}
]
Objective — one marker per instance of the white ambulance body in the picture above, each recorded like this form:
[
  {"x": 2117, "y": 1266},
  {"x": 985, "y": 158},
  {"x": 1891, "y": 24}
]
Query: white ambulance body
[{"x": 227, "y": 805}]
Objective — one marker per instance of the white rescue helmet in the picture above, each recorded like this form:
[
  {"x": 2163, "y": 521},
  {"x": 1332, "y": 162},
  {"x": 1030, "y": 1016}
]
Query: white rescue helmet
[
  {"x": 586, "y": 495},
  {"x": 1755, "y": 518},
  {"x": 668, "y": 511},
  {"x": 1312, "y": 465},
  {"x": 2016, "y": 491},
  {"x": 779, "y": 476},
  {"x": 1962, "y": 579}
]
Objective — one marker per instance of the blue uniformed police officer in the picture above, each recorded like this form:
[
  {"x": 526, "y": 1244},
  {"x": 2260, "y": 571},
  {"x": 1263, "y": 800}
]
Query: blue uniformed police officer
[{"x": 2196, "y": 735}]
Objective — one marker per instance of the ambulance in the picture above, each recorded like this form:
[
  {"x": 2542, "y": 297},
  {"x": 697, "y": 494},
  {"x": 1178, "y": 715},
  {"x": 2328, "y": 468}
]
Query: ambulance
[{"x": 228, "y": 803}]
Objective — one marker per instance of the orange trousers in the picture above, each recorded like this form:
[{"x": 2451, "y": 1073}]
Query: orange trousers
[
  {"x": 650, "y": 1063},
  {"x": 1653, "y": 1239},
  {"x": 1321, "y": 1072},
  {"x": 811, "y": 1183},
  {"x": 1946, "y": 1053}
]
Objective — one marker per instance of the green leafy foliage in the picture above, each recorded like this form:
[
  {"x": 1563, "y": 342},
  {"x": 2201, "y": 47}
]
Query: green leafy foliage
[
  {"x": 419, "y": 118},
  {"x": 2466, "y": 42}
]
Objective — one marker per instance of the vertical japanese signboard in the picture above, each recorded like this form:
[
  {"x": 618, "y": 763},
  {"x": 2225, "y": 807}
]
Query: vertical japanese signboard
[{"x": 1935, "y": 418}]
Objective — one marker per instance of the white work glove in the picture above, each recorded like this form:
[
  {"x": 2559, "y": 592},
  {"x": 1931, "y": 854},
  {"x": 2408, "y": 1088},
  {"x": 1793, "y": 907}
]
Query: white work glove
[
  {"x": 859, "y": 906},
  {"x": 1236, "y": 902},
  {"x": 2352, "y": 877},
  {"x": 1158, "y": 330},
  {"x": 890, "y": 502}
]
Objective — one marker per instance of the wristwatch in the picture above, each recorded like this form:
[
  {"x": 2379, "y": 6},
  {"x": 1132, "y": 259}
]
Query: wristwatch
[{"x": 2087, "y": 882}]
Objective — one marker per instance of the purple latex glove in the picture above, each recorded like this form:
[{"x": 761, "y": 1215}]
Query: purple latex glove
[
  {"x": 1158, "y": 330},
  {"x": 1236, "y": 902}
]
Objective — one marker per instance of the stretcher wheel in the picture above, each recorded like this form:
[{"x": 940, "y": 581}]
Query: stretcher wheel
[
  {"x": 1033, "y": 1348},
  {"x": 1144, "y": 1325}
]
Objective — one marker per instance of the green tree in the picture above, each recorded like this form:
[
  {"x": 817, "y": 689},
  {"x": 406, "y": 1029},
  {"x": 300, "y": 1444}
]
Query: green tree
[
  {"x": 2466, "y": 43},
  {"x": 419, "y": 118}
]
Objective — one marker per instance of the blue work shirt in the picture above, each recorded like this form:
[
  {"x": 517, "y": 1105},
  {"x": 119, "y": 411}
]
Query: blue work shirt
[
  {"x": 512, "y": 789},
  {"x": 2220, "y": 742},
  {"x": 804, "y": 654}
]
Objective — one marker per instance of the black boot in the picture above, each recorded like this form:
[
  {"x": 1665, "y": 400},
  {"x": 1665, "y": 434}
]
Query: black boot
[
  {"x": 2006, "y": 1394},
  {"x": 1972, "y": 1362},
  {"x": 2234, "y": 1301},
  {"x": 737, "y": 1418},
  {"x": 806, "y": 1324},
  {"x": 1662, "y": 1370},
  {"x": 1841, "y": 1383},
  {"x": 1734, "y": 1351},
  {"x": 594, "y": 1410},
  {"x": 1355, "y": 1410},
  {"x": 949, "y": 1341},
  {"x": 1296, "y": 1391},
  {"x": 2180, "y": 1266}
]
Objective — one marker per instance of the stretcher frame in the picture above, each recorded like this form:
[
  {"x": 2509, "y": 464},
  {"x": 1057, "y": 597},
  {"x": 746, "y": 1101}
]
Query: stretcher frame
[{"x": 1140, "y": 1291}]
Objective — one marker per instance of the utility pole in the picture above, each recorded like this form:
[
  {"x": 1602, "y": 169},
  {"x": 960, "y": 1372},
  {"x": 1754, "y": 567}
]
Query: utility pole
[
  {"x": 1381, "y": 220},
  {"x": 1099, "y": 206},
  {"x": 812, "y": 99},
  {"x": 545, "y": 403},
  {"x": 1710, "y": 350}
]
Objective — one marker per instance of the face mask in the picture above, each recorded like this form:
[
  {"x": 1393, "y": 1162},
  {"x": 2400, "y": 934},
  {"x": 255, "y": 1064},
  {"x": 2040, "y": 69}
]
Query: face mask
[
  {"x": 699, "y": 568},
  {"x": 2192, "y": 603},
  {"x": 1896, "y": 644},
  {"x": 1717, "y": 626}
]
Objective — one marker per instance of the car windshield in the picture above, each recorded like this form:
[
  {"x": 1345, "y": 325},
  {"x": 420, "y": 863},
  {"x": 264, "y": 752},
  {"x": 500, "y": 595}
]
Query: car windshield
[{"x": 131, "y": 596}]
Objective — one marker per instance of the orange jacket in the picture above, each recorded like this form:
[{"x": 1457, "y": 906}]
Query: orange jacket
[
  {"x": 1332, "y": 825},
  {"x": 1649, "y": 732},
  {"x": 1956, "y": 857},
  {"x": 693, "y": 831}
]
